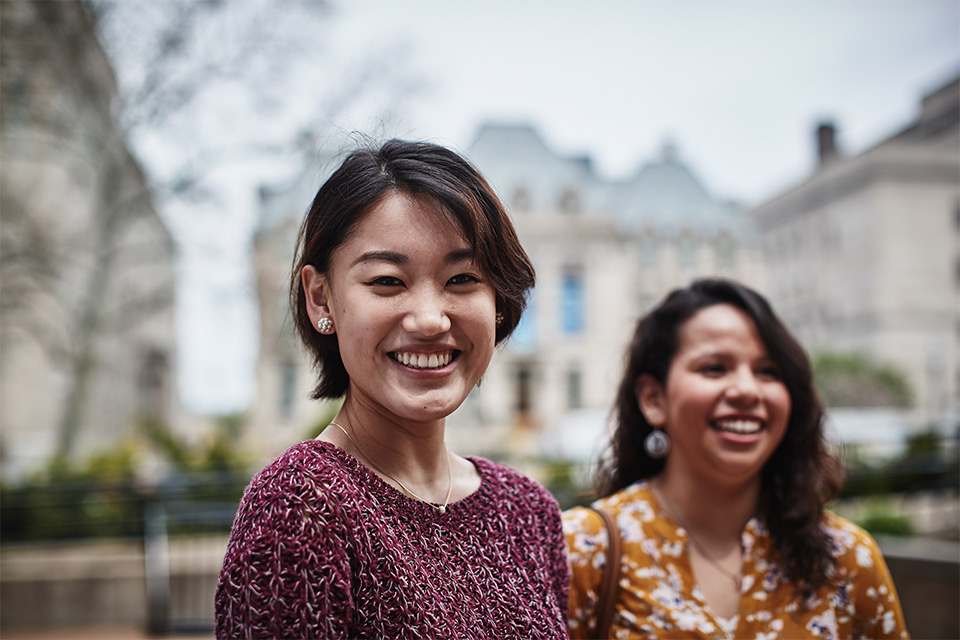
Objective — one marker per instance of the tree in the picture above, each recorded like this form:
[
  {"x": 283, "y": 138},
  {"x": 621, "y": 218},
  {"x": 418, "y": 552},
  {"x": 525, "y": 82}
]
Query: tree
[
  {"x": 193, "y": 82},
  {"x": 855, "y": 380},
  {"x": 78, "y": 226}
]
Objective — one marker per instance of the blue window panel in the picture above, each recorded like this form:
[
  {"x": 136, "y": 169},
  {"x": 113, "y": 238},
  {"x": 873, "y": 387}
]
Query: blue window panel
[
  {"x": 571, "y": 304},
  {"x": 524, "y": 337}
]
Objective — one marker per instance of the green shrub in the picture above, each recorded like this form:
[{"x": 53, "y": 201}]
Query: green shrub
[
  {"x": 880, "y": 520},
  {"x": 856, "y": 380},
  {"x": 102, "y": 495}
]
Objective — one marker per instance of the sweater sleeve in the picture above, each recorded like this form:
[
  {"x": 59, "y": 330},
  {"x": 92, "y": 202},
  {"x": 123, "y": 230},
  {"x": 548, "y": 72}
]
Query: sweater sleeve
[
  {"x": 558, "y": 557},
  {"x": 286, "y": 573},
  {"x": 587, "y": 543}
]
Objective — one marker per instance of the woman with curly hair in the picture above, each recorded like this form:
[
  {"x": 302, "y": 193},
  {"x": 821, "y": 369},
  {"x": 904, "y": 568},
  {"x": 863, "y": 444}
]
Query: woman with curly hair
[{"x": 716, "y": 485}]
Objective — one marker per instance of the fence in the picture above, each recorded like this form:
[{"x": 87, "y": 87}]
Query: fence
[{"x": 116, "y": 553}]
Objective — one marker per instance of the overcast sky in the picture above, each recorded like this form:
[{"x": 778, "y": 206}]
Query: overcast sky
[{"x": 738, "y": 86}]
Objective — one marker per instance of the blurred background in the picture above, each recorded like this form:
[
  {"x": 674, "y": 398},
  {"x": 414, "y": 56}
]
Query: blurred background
[{"x": 156, "y": 159}]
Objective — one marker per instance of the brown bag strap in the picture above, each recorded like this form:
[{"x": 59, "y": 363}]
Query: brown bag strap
[{"x": 611, "y": 576}]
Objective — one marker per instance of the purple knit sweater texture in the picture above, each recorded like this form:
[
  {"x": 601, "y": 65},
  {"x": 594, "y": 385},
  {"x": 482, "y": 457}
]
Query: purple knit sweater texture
[{"x": 321, "y": 547}]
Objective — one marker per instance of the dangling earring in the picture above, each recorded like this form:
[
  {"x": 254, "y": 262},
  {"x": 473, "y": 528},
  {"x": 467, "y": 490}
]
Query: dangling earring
[
  {"x": 498, "y": 319},
  {"x": 657, "y": 444},
  {"x": 325, "y": 325}
]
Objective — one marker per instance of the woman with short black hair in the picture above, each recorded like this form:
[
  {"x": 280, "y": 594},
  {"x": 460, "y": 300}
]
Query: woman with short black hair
[{"x": 408, "y": 273}]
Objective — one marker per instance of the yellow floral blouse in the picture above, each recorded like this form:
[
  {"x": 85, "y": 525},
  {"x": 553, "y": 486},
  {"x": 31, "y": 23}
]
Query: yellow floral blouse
[{"x": 659, "y": 598}]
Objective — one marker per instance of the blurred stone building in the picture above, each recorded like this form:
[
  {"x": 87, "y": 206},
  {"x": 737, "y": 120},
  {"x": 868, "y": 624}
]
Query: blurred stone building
[
  {"x": 864, "y": 255},
  {"x": 282, "y": 413},
  {"x": 87, "y": 267},
  {"x": 604, "y": 251}
]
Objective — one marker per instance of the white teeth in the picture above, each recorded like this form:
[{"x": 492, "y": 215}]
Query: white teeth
[
  {"x": 739, "y": 426},
  {"x": 423, "y": 360}
]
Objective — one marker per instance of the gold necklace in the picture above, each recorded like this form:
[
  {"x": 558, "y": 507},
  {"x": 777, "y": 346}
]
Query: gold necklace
[
  {"x": 736, "y": 578},
  {"x": 442, "y": 508}
]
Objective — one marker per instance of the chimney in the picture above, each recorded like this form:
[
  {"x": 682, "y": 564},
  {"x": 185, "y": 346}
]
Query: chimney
[{"x": 826, "y": 142}]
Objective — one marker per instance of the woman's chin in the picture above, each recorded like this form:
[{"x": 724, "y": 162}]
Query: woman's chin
[{"x": 427, "y": 407}]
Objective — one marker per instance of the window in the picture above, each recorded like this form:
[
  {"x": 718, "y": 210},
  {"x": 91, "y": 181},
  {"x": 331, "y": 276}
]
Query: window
[
  {"x": 288, "y": 384},
  {"x": 524, "y": 337},
  {"x": 569, "y": 201},
  {"x": 725, "y": 253},
  {"x": 647, "y": 250},
  {"x": 571, "y": 301},
  {"x": 686, "y": 252},
  {"x": 152, "y": 383},
  {"x": 574, "y": 388},
  {"x": 524, "y": 376},
  {"x": 520, "y": 199}
]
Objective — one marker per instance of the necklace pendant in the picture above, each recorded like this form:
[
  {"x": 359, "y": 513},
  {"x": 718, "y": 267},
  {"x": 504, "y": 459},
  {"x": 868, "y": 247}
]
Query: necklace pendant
[{"x": 442, "y": 509}]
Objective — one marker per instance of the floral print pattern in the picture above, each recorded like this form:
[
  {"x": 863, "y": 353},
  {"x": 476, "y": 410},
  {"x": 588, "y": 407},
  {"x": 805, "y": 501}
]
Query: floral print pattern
[{"x": 659, "y": 596}]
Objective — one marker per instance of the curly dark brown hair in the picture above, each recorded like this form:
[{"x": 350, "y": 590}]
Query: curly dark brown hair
[
  {"x": 801, "y": 475},
  {"x": 419, "y": 169}
]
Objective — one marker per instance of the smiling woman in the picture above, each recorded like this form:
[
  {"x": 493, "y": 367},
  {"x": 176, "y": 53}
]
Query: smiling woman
[
  {"x": 716, "y": 486},
  {"x": 408, "y": 273}
]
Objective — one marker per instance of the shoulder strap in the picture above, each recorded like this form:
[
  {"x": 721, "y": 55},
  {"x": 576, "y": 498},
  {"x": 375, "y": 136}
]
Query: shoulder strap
[{"x": 611, "y": 576}]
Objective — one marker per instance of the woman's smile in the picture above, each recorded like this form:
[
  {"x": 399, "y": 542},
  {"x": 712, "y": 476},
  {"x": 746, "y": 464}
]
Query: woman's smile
[
  {"x": 425, "y": 360},
  {"x": 742, "y": 426}
]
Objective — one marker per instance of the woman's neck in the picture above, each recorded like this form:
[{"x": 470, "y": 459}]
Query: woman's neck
[
  {"x": 411, "y": 456},
  {"x": 416, "y": 450},
  {"x": 711, "y": 511}
]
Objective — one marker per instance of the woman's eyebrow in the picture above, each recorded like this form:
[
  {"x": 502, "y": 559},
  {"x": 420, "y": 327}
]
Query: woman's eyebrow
[
  {"x": 459, "y": 255},
  {"x": 399, "y": 259},
  {"x": 392, "y": 257}
]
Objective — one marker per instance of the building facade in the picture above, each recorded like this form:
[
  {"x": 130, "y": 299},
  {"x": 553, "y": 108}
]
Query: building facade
[
  {"x": 605, "y": 252},
  {"x": 87, "y": 278},
  {"x": 864, "y": 255},
  {"x": 282, "y": 413}
]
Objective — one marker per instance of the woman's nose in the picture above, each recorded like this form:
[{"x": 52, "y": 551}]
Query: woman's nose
[
  {"x": 427, "y": 315},
  {"x": 744, "y": 387}
]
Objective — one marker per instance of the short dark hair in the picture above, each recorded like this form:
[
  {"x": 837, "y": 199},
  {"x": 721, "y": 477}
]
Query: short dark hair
[
  {"x": 421, "y": 169},
  {"x": 801, "y": 475}
]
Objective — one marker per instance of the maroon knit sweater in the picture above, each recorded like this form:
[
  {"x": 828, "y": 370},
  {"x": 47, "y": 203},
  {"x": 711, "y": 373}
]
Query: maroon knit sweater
[{"x": 323, "y": 548}]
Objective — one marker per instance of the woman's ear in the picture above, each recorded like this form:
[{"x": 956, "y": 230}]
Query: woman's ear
[
  {"x": 315, "y": 289},
  {"x": 652, "y": 400}
]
